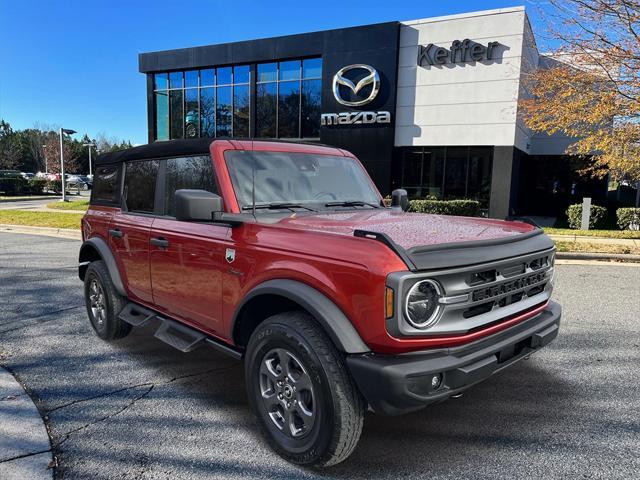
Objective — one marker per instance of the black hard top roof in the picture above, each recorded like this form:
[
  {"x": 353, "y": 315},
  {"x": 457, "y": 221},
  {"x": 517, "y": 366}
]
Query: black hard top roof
[{"x": 168, "y": 148}]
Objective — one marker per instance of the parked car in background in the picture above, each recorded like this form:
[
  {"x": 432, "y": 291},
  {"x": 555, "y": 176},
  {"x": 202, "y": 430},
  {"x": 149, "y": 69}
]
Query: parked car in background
[
  {"x": 284, "y": 255},
  {"x": 76, "y": 182},
  {"x": 27, "y": 175}
]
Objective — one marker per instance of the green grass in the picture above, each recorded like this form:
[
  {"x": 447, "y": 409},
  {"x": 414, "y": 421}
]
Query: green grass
[
  {"x": 594, "y": 233},
  {"x": 40, "y": 219},
  {"x": 80, "y": 205},
  {"x": 595, "y": 248}
]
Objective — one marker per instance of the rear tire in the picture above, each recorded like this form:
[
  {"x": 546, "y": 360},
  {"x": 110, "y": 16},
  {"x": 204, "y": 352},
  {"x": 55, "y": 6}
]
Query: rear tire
[
  {"x": 299, "y": 388},
  {"x": 104, "y": 303}
]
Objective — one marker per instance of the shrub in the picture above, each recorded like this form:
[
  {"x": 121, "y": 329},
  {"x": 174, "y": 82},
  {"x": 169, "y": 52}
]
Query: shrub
[
  {"x": 466, "y": 208},
  {"x": 12, "y": 185},
  {"x": 36, "y": 185},
  {"x": 54, "y": 186},
  {"x": 597, "y": 220},
  {"x": 628, "y": 217}
]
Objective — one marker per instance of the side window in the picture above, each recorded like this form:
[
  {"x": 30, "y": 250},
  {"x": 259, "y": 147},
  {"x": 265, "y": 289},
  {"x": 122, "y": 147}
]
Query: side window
[
  {"x": 187, "y": 172},
  {"x": 105, "y": 184},
  {"x": 140, "y": 185}
]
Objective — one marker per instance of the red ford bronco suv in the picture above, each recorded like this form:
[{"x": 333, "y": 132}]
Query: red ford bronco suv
[{"x": 284, "y": 255}]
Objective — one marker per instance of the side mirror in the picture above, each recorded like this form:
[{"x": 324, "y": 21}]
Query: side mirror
[
  {"x": 197, "y": 205},
  {"x": 400, "y": 199}
]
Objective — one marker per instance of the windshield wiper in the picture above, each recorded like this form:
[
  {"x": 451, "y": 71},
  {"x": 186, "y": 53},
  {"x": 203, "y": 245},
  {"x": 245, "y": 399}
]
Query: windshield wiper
[
  {"x": 353, "y": 203},
  {"x": 277, "y": 206}
]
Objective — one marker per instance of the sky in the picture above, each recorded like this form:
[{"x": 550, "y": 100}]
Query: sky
[{"x": 75, "y": 63}]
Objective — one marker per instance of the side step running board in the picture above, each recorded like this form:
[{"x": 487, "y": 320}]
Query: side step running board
[{"x": 176, "y": 334}]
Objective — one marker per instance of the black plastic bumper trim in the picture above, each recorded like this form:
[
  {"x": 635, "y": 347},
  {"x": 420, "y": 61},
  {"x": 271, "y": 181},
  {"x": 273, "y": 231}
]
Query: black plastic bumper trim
[{"x": 396, "y": 384}]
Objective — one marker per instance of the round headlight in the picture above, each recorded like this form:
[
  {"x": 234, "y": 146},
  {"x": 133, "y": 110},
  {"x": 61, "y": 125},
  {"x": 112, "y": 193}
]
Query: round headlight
[{"x": 422, "y": 307}]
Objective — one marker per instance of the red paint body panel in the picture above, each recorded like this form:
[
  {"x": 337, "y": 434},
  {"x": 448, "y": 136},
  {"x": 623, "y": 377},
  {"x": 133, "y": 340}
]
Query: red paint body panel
[{"x": 191, "y": 280}]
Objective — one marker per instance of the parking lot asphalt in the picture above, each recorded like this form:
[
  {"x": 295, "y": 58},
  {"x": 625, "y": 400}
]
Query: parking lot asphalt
[{"x": 136, "y": 408}]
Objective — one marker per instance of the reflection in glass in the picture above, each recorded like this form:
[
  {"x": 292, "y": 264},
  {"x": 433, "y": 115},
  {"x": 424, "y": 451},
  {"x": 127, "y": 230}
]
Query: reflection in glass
[
  {"x": 266, "y": 104},
  {"x": 311, "y": 91},
  {"x": 455, "y": 176},
  {"x": 187, "y": 172},
  {"x": 175, "y": 80},
  {"x": 162, "y": 115},
  {"x": 267, "y": 72},
  {"x": 207, "y": 77},
  {"x": 208, "y": 112},
  {"x": 312, "y": 68},
  {"x": 241, "y": 74},
  {"x": 140, "y": 185},
  {"x": 241, "y": 110},
  {"x": 223, "y": 112},
  {"x": 289, "y": 110},
  {"x": 479, "y": 184},
  {"x": 191, "y": 79},
  {"x": 224, "y": 76},
  {"x": 290, "y": 70},
  {"x": 192, "y": 116},
  {"x": 161, "y": 81},
  {"x": 176, "y": 98}
]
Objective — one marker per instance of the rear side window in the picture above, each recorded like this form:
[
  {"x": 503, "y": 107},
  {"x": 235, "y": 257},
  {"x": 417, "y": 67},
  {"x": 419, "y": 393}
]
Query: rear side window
[
  {"x": 187, "y": 172},
  {"x": 140, "y": 185},
  {"x": 105, "y": 184}
]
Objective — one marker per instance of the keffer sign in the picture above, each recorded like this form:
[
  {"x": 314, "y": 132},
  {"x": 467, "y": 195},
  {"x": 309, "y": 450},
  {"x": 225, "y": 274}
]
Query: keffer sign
[
  {"x": 360, "y": 93},
  {"x": 460, "y": 52}
]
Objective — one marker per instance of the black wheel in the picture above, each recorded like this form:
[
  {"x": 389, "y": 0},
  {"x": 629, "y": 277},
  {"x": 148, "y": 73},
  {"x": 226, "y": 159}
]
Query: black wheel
[
  {"x": 104, "y": 303},
  {"x": 301, "y": 392}
]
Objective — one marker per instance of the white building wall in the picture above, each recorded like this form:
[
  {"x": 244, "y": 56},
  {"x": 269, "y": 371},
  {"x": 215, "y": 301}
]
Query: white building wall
[{"x": 472, "y": 103}]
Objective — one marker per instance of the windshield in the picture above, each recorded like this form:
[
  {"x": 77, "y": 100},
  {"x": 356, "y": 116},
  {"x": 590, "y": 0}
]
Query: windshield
[{"x": 315, "y": 181}]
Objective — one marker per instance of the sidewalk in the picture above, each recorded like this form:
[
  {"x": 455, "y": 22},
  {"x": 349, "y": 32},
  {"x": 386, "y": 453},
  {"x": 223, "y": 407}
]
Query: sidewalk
[{"x": 25, "y": 450}]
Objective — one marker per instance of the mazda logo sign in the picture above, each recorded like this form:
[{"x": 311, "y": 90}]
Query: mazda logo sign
[{"x": 371, "y": 78}]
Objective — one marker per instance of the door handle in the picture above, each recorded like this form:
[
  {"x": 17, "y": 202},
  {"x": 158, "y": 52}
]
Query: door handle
[
  {"x": 160, "y": 242},
  {"x": 115, "y": 233}
]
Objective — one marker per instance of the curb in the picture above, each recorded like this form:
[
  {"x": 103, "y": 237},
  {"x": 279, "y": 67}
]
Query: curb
[
  {"x": 26, "y": 199},
  {"x": 25, "y": 447},
  {"x": 46, "y": 231},
  {"x": 618, "y": 257}
]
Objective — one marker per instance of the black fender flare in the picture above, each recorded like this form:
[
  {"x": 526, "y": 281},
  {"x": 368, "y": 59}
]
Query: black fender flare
[
  {"x": 328, "y": 314},
  {"x": 105, "y": 253}
]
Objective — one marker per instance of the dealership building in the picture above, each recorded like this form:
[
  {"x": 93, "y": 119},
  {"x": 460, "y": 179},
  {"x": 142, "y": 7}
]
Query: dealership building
[{"x": 427, "y": 105}]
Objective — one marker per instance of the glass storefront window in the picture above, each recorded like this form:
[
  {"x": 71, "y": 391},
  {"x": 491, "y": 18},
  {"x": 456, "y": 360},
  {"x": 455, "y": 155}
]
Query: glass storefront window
[
  {"x": 162, "y": 115},
  {"x": 312, "y": 68},
  {"x": 447, "y": 172},
  {"x": 176, "y": 103},
  {"x": 161, "y": 81},
  {"x": 192, "y": 114},
  {"x": 175, "y": 80},
  {"x": 223, "y": 76},
  {"x": 208, "y": 112},
  {"x": 289, "y": 70},
  {"x": 224, "y": 107},
  {"x": 289, "y": 110},
  {"x": 311, "y": 101},
  {"x": 191, "y": 79},
  {"x": 207, "y": 77},
  {"x": 216, "y": 101}
]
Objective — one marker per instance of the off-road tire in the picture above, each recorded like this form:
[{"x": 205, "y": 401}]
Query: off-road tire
[
  {"x": 340, "y": 407},
  {"x": 108, "y": 326}
]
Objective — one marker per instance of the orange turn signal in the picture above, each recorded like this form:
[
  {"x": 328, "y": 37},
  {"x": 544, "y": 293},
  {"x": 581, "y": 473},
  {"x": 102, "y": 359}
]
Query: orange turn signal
[{"x": 388, "y": 302}]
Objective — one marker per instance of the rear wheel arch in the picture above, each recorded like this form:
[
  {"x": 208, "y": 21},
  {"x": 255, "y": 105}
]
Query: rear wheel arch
[
  {"x": 282, "y": 295},
  {"x": 95, "y": 249}
]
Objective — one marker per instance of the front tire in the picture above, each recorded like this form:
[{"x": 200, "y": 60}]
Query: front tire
[
  {"x": 104, "y": 303},
  {"x": 299, "y": 388}
]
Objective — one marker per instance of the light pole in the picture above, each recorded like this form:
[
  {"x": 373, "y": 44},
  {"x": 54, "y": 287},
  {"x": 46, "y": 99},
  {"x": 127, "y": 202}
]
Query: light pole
[
  {"x": 64, "y": 183},
  {"x": 44, "y": 149},
  {"x": 90, "y": 145}
]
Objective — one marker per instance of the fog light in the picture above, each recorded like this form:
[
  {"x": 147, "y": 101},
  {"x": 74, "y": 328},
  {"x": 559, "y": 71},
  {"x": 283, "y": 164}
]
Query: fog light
[{"x": 436, "y": 381}]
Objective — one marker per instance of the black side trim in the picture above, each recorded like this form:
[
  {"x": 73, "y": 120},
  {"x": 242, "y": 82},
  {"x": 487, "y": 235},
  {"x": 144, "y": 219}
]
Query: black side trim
[
  {"x": 327, "y": 313},
  {"x": 386, "y": 239},
  {"x": 104, "y": 251}
]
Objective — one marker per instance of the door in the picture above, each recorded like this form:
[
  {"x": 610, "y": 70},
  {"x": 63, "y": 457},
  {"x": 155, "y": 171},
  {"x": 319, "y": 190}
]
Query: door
[
  {"x": 130, "y": 228},
  {"x": 187, "y": 258}
]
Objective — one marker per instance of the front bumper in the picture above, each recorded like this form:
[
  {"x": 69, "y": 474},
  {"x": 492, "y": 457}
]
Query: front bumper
[{"x": 396, "y": 384}]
